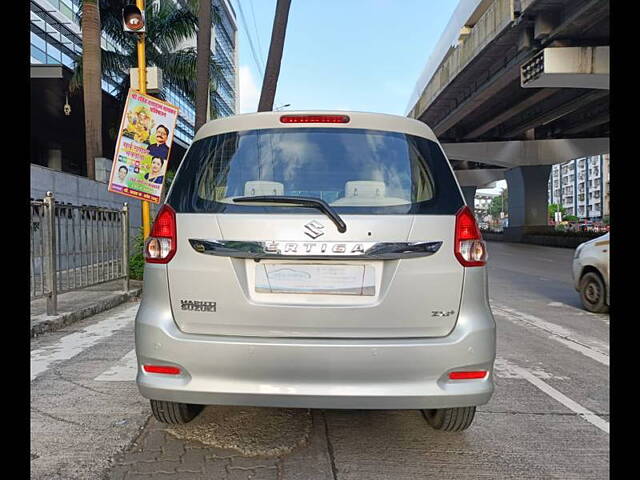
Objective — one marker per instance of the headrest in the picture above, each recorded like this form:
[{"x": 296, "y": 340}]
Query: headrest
[
  {"x": 364, "y": 188},
  {"x": 257, "y": 188}
]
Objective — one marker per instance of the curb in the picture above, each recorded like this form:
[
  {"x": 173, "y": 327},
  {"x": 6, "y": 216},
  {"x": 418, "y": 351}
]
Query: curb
[{"x": 44, "y": 323}]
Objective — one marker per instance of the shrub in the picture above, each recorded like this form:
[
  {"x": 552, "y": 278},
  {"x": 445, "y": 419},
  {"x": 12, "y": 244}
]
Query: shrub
[{"x": 136, "y": 260}]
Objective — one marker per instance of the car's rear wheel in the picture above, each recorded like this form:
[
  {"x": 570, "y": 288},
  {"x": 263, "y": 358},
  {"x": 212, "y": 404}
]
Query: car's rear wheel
[
  {"x": 592, "y": 293},
  {"x": 173, "y": 412},
  {"x": 450, "y": 419}
]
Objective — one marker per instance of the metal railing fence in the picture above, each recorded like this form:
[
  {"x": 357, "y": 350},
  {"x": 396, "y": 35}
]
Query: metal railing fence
[{"x": 74, "y": 246}]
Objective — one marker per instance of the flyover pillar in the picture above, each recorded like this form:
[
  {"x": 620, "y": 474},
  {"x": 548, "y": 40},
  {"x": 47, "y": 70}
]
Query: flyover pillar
[
  {"x": 469, "y": 197},
  {"x": 528, "y": 199}
]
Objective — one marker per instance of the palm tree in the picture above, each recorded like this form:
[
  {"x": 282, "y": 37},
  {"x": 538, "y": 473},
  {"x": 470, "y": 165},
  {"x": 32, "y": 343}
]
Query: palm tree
[
  {"x": 168, "y": 27},
  {"x": 206, "y": 18},
  {"x": 202, "y": 67},
  {"x": 272, "y": 70},
  {"x": 91, "y": 78}
]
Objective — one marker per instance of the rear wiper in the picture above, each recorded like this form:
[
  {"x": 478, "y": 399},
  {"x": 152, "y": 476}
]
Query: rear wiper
[{"x": 301, "y": 202}]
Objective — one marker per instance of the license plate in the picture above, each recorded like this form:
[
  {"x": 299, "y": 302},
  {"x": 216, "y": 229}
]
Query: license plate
[{"x": 310, "y": 278}]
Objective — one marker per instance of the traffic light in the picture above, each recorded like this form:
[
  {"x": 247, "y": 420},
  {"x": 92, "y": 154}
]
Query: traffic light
[{"x": 133, "y": 19}]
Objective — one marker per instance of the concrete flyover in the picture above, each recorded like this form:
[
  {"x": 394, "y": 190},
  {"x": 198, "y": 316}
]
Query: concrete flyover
[{"x": 514, "y": 86}]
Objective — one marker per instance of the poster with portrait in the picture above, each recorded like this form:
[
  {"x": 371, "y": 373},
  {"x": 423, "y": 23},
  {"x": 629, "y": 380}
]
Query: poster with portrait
[{"x": 143, "y": 147}]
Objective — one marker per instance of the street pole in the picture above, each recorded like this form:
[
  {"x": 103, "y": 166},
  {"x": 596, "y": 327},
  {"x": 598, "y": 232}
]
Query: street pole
[
  {"x": 142, "y": 88},
  {"x": 272, "y": 70}
]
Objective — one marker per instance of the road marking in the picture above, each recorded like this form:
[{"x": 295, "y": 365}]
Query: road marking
[
  {"x": 579, "y": 311},
  {"x": 71, "y": 345},
  {"x": 514, "y": 370},
  {"x": 589, "y": 347},
  {"x": 124, "y": 371}
]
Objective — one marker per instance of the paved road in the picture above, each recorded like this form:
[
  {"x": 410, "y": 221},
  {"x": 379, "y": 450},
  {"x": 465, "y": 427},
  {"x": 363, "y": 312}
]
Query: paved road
[{"x": 549, "y": 417}]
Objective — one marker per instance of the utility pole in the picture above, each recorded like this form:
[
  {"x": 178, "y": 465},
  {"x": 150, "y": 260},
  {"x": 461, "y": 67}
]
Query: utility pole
[
  {"x": 272, "y": 70},
  {"x": 142, "y": 88}
]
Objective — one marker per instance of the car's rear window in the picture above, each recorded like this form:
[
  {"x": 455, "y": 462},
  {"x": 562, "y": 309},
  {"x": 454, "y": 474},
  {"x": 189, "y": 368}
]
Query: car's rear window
[{"x": 356, "y": 171}]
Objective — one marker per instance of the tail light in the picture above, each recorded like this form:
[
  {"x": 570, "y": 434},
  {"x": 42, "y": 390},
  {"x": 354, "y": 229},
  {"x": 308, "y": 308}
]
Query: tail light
[
  {"x": 161, "y": 245},
  {"x": 469, "y": 248}
]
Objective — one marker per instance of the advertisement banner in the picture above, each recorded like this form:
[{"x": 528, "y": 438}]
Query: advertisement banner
[{"x": 143, "y": 146}]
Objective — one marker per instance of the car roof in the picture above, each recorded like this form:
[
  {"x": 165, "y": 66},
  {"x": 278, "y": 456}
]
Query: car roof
[{"x": 364, "y": 120}]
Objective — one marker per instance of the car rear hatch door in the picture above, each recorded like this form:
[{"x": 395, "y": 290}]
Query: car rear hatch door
[{"x": 302, "y": 292}]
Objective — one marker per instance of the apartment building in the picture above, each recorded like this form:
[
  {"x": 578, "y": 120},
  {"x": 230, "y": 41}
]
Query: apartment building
[{"x": 581, "y": 187}]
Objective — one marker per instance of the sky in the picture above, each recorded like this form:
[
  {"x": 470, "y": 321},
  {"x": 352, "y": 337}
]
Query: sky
[{"x": 362, "y": 55}]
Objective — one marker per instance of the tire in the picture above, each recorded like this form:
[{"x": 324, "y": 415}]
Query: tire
[
  {"x": 174, "y": 413},
  {"x": 593, "y": 293},
  {"x": 450, "y": 419}
]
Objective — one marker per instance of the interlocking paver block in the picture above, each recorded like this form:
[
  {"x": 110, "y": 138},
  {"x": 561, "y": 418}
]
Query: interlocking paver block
[
  {"x": 173, "y": 476},
  {"x": 237, "y": 474},
  {"x": 139, "y": 457},
  {"x": 193, "y": 456},
  {"x": 156, "y": 467},
  {"x": 154, "y": 440},
  {"x": 172, "y": 449},
  {"x": 252, "y": 462},
  {"x": 219, "y": 453},
  {"x": 216, "y": 470},
  {"x": 270, "y": 473}
]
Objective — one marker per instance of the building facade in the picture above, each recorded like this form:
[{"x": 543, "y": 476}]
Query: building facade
[
  {"x": 56, "y": 42},
  {"x": 481, "y": 202},
  {"x": 581, "y": 187}
]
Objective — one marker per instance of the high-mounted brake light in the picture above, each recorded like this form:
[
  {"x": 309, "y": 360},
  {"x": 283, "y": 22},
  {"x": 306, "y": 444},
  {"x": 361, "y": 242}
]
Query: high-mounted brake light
[
  {"x": 468, "y": 375},
  {"x": 469, "y": 248},
  {"x": 161, "y": 245},
  {"x": 314, "y": 119},
  {"x": 161, "y": 369}
]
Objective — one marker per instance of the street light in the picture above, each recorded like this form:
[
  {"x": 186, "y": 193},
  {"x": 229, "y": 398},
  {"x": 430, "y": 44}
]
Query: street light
[
  {"x": 133, "y": 21},
  {"x": 282, "y": 106},
  {"x": 133, "y": 18}
]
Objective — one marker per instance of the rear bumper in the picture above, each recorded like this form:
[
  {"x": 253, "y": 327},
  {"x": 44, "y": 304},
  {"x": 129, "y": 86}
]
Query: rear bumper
[{"x": 319, "y": 373}]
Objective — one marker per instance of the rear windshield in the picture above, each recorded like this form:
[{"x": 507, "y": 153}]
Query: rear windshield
[{"x": 356, "y": 171}]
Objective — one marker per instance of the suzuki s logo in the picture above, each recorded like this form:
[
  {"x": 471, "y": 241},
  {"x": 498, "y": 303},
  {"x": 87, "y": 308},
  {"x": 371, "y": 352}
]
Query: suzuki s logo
[{"x": 314, "y": 229}]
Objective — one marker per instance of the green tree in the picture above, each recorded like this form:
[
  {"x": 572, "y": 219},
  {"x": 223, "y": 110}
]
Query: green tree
[
  {"x": 499, "y": 204},
  {"x": 207, "y": 17},
  {"x": 168, "y": 27},
  {"x": 553, "y": 208},
  {"x": 91, "y": 78}
]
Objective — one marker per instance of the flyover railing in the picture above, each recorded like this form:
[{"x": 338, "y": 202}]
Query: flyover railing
[{"x": 76, "y": 246}]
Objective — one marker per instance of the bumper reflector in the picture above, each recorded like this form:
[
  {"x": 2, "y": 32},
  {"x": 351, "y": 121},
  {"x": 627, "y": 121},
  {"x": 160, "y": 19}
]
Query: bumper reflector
[
  {"x": 467, "y": 375},
  {"x": 161, "y": 369}
]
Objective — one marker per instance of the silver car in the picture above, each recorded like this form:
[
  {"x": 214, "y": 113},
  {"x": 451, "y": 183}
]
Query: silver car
[
  {"x": 316, "y": 260},
  {"x": 591, "y": 273}
]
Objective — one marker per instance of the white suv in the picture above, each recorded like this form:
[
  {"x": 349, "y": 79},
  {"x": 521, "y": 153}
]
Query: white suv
[
  {"x": 317, "y": 260},
  {"x": 591, "y": 273}
]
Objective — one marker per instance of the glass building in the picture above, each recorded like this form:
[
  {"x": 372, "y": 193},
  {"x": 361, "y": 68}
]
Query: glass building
[{"x": 56, "y": 42}]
